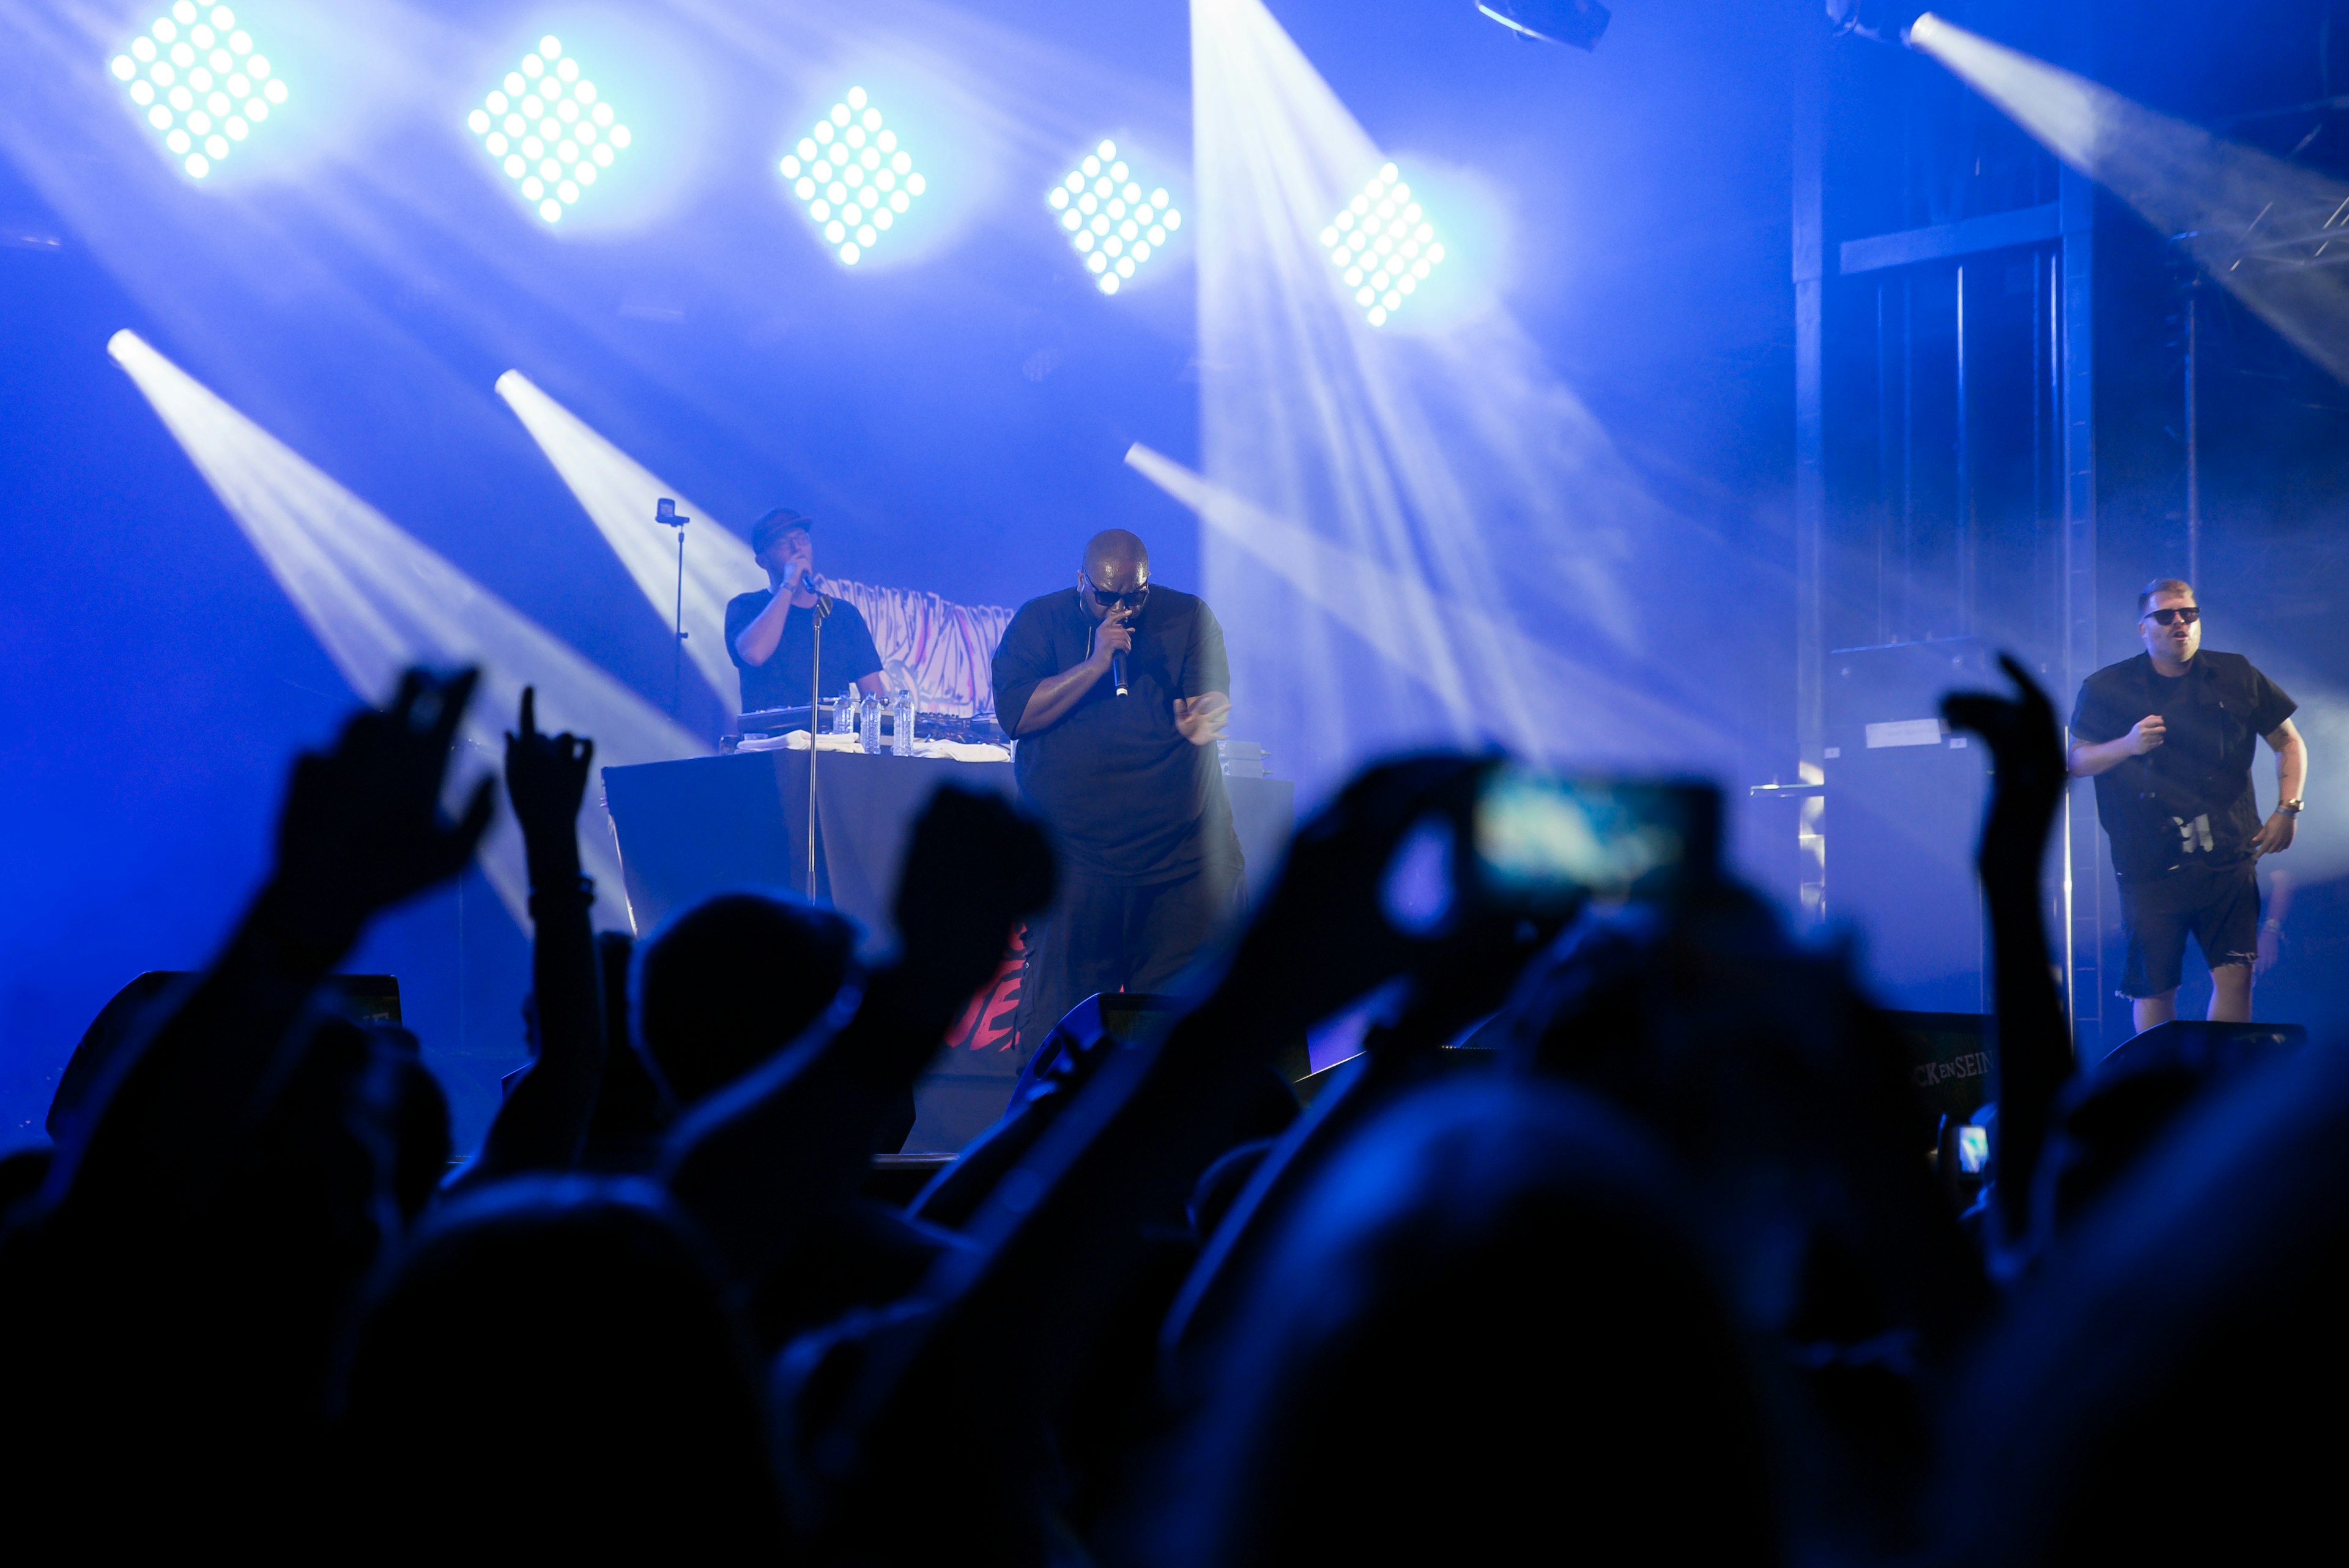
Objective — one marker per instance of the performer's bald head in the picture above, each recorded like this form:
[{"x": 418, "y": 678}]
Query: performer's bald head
[{"x": 1116, "y": 561}]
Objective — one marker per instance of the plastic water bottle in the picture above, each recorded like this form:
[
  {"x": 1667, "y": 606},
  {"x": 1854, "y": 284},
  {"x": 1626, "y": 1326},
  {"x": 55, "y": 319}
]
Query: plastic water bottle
[
  {"x": 868, "y": 726},
  {"x": 844, "y": 713},
  {"x": 901, "y": 723}
]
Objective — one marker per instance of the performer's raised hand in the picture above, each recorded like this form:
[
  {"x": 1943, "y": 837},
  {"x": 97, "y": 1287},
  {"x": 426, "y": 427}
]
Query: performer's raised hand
[
  {"x": 1202, "y": 718},
  {"x": 2146, "y": 733}
]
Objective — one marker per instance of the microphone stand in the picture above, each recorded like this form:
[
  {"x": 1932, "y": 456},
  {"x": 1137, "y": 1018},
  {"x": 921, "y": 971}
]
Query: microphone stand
[
  {"x": 816, "y": 697},
  {"x": 664, "y": 512}
]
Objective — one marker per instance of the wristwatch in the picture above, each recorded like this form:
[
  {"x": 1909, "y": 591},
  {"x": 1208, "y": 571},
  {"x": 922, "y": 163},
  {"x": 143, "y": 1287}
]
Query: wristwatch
[{"x": 2290, "y": 807}]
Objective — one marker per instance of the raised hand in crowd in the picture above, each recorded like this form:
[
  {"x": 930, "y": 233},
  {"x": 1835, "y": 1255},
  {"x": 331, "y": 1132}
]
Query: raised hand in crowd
[
  {"x": 362, "y": 829},
  {"x": 173, "y": 1304},
  {"x": 1011, "y": 1327},
  {"x": 2035, "y": 1048},
  {"x": 542, "y": 1126},
  {"x": 1469, "y": 957}
]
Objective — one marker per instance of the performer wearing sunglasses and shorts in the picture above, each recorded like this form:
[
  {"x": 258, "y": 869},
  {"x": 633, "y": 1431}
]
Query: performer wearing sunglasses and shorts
[
  {"x": 1128, "y": 784},
  {"x": 2170, "y": 737}
]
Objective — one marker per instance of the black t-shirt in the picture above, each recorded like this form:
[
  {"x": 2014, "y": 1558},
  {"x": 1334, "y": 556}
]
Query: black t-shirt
[
  {"x": 1125, "y": 797},
  {"x": 2188, "y": 801},
  {"x": 788, "y": 678}
]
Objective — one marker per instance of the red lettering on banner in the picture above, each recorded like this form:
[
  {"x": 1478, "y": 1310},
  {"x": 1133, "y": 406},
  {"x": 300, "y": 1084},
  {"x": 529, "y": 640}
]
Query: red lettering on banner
[
  {"x": 999, "y": 1027},
  {"x": 988, "y": 1022}
]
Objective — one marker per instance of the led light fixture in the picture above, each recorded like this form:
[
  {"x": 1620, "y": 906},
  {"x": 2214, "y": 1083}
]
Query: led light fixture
[
  {"x": 549, "y": 129},
  {"x": 856, "y": 181},
  {"x": 1385, "y": 245},
  {"x": 200, "y": 82},
  {"x": 1114, "y": 225},
  {"x": 1581, "y": 23}
]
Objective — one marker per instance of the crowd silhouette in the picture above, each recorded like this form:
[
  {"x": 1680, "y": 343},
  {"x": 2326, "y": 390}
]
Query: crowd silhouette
[{"x": 1675, "y": 1272}]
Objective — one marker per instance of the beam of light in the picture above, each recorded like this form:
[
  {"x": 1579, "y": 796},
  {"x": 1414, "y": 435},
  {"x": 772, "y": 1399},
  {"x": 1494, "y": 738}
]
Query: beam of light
[
  {"x": 1440, "y": 454},
  {"x": 2274, "y": 234},
  {"x": 1113, "y": 224},
  {"x": 379, "y": 602},
  {"x": 549, "y": 129},
  {"x": 1420, "y": 634},
  {"x": 196, "y": 76},
  {"x": 618, "y": 494},
  {"x": 853, "y": 176}
]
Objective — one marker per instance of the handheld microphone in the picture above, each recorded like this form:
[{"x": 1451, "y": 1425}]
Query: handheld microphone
[{"x": 1117, "y": 672}]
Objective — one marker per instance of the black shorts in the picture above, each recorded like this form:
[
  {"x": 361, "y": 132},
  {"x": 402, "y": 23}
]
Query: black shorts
[{"x": 2219, "y": 906}]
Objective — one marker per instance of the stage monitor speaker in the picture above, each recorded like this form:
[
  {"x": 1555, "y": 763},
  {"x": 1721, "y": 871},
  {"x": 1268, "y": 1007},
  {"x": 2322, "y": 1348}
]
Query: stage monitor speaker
[
  {"x": 362, "y": 998},
  {"x": 2202, "y": 1048},
  {"x": 1904, "y": 805}
]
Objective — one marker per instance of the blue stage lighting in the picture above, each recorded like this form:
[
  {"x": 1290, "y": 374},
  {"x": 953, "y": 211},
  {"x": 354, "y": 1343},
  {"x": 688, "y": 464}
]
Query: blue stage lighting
[
  {"x": 200, "y": 82},
  {"x": 853, "y": 176},
  {"x": 1385, "y": 245},
  {"x": 549, "y": 129},
  {"x": 1112, "y": 221}
]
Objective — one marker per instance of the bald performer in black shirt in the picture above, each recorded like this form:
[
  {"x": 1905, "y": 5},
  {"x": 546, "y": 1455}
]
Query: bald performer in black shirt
[{"x": 1129, "y": 787}]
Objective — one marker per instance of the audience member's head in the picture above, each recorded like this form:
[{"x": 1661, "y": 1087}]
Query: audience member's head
[
  {"x": 2147, "y": 1399},
  {"x": 1785, "y": 1092},
  {"x": 1486, "y": 1325},
  {"x": 725, "y": 984},
  {"x": 551, "y": 1369},
  {"x": 1665, "y": 1278}
]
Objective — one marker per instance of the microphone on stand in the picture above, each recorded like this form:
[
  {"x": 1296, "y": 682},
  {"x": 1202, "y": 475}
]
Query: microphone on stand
[{"x": 665, "y": 514}]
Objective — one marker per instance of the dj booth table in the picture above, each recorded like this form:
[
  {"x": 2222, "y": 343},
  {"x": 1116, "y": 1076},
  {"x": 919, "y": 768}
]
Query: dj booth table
[{"x": 709, "y": 824}]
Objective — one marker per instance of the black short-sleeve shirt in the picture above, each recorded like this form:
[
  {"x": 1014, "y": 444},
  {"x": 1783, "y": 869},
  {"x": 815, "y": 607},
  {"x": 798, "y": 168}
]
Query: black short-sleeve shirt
[
  {"x": 788, "y": 678},
  {"x": 2188, "y": 801},
  {"x": 1125, "y": 798}
]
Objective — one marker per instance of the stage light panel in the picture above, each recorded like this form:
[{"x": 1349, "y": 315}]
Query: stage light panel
[
  {"x": 852, "y": 176},
  {"x": 1383, "y": 244},
  {"x": 201, "y": 81},
  {"x": 1114, "y": 221},
  {"x": 549, "y": 129}
]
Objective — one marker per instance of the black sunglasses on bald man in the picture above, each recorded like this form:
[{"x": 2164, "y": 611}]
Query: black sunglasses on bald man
[{"x": 1119, "y": 601}]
